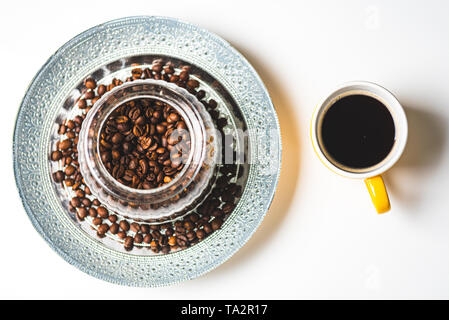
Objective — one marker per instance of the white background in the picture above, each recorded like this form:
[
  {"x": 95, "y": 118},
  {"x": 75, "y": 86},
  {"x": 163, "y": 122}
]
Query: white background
[{"x": 321, "y": 237}]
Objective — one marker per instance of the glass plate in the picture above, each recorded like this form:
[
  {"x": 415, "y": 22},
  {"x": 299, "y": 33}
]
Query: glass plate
[{"x": 56, "y": 83}]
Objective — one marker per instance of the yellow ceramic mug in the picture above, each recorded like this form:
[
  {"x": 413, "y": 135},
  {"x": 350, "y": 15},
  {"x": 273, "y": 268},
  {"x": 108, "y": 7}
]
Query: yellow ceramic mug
[{"x": 371, "y": 175}]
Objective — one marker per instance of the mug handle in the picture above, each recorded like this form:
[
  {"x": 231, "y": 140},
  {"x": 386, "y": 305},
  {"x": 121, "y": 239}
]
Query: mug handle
[{"x": 378, "y": 193}]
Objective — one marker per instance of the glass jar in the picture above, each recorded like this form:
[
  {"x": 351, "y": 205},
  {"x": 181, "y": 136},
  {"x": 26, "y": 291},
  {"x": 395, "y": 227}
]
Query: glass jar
[{"x": 170, "y": 200}]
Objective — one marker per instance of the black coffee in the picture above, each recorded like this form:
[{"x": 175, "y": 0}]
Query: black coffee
[{"x": 358, "y": 131}]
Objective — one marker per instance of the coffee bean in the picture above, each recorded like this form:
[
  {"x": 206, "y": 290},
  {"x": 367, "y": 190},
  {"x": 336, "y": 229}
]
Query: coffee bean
[
  {"x": 86, "y": 202},
  {"x": 138, "y": 238},
  {"x": 90, "y": 83},
  {"x": 191, "y": 235},
  {"x": 65, "y": 144},
  {"x": 172, "y": 241},
  {"x": 70, "y": 124},
  {"x": 147, "y": 239},
  {"x": 82, "y": 104},
  {"x": 93, "y": 212},
  {"x": 82, "y": 213},
  {"x": 103, "y": 228},
  {"x": 200, "y": 234},
  {"x": 212, "y": 104},
  {"x": 101, "y": 89},
  {"x": 75, "y": 202},
  {"x": 216, "y": 223},
  {"x": 207, "y": 227},
  {"x": 56, "y": 155},
  {"x": 228, "y": 207},
  {"x": 114, "y": 228},
  {"x": 184, "y": 75},
  {"x": 193, "y": 84},
  {"x": 129, "y": 243},
  {"x": 121, "y": 235},
  {"x": 124, "y": 225},
  {"x": 102, "y": 212},
  {"x": 135, "y": 227},
  {"x": 58, "y": 176},
  {"x": 144, "y": 228}
]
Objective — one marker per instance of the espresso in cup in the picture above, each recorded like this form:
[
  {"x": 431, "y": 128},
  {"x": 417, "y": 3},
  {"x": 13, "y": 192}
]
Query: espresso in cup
[
  {"x": 360, "y": 131},
  {"x": 357, "y": 132}
]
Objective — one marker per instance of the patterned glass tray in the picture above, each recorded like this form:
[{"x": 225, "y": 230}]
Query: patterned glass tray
[{"x": 107, "y": 45}]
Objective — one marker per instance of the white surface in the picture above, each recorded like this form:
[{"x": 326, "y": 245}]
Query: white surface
[{"x": 321, "y": 237}]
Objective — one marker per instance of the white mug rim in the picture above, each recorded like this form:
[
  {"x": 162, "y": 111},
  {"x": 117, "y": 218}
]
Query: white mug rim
[{"x": 399, "y": 118}]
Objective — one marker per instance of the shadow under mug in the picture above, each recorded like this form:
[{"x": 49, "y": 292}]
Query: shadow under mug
[{"x": 371, "y": 175}]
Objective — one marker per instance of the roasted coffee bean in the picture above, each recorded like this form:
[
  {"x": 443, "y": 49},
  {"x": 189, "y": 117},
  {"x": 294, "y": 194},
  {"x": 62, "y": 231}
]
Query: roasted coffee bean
[
  {"x": 56, "y": 155},
  {"x": 144, "y": 228},
  {"x": 82, "y": 104},
  {"x": 86, "y": 202},
  {"x": 97, "y": 221},
  {"x": 121, "y": 235},
  {"x": 90, "y": 83},
  {"x": 102, "y": 212},
  {"x": 172, "y": 241},
  {"x": 192, "y": 84},
  {"x": 129, "y": 243},
  {"x": 58, "y": 176},
  {"x": 80, "y": 193},
  {"x": 188, "y": 225},
  {"x": 75, "y": 202},
  {"x": 216, "y": 223},
  {"x": 156, "y": 234},
  {"x": 135, "y": 227},
  {"x": 207, "y": 227},
  {"x": 103, "y": 228},
  {"x": 62, "y": 129},
  {"x": 184, "y": 75},
  {"x": 212, "y": 104},
  {"x": 147, "y": 239},
  {"x": 138, "y": 238},
  {"x": 82, "y": 213},
  {"x": 101, "y": 89},
  {"x": 113, "y": 218},
  {"x": 191, "y": 235},
  {"x": 93, "y": 212},
  {"x": 228, "y": 207},
  {"x": 114, "y": 228},
  {"x": 227, "y": 197},
  {"x": 124, "y": 225},
  {"x": 217, "y": 213},
  {"x": 193, "y": 217},
  {"x": 65, "y": 144},
  {"x": 89, "y": 95},
  {"x": 169, "y": 231},
  {"x": 200, "y": 234},
  {"x": 154, "y": 246}
]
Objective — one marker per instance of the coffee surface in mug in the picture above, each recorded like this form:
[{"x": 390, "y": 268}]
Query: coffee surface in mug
[{"x": 358, "y": 131}]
